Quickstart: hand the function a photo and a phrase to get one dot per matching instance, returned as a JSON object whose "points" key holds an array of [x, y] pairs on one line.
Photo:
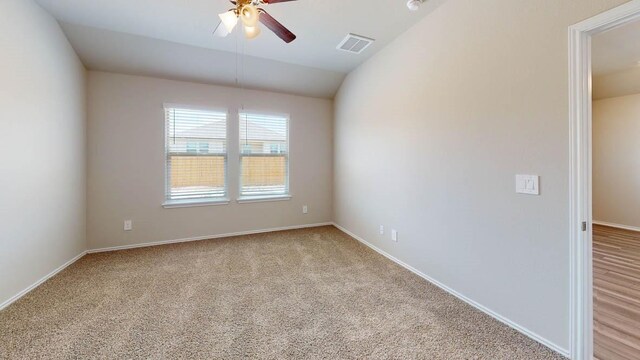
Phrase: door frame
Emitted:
{"points": [[580, 95]]}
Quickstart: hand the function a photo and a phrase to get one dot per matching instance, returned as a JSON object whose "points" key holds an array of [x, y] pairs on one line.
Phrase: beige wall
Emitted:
{"points": [[622, 83], [127, 162], [430, 133], [42, 97], [616, 160]]}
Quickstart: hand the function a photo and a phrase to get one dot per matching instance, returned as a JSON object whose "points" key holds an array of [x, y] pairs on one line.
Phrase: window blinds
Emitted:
{"points": [[264, 155], [196, 149]]}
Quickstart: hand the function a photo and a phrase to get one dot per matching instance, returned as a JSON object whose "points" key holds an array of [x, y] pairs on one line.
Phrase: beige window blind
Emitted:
{"points": [[196, 154], [264, 155]]}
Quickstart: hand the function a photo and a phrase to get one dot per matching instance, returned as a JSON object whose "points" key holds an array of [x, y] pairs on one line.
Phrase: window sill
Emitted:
{"points": [[173, 204], [255, 199]]}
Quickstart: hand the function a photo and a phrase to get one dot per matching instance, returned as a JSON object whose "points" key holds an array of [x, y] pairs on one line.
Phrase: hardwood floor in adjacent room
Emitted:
{"points": [[616, 289]]}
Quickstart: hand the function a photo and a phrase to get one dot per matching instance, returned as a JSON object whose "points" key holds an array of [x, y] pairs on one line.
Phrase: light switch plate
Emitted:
{"points": [[394, 235], [528, 184]]}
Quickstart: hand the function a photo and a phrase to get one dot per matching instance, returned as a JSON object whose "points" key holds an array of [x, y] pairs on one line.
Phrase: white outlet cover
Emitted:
{"points": [[128, 225], [394, 235], [528, 184], [381, 229], [305, 209]]}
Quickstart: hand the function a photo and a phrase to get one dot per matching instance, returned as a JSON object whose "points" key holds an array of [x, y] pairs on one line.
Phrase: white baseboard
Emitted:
{"points": [[624, 227], [206, 237], [482, 308], [39, 282], [65, 265]]}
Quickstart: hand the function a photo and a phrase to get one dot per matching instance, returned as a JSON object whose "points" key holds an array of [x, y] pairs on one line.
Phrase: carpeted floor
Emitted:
{"points": [[302, 294]]}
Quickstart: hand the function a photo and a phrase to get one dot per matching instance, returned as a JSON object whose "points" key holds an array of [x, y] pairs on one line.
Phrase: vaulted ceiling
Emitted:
{"points": [[173, 39]]}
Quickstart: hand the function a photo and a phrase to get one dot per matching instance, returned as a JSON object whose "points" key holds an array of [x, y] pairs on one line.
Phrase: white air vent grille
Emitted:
{"points": [[355, 43]]}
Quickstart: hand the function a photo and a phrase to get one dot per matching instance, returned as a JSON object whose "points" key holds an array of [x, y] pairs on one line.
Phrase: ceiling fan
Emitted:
{"points": [[250, 14]]}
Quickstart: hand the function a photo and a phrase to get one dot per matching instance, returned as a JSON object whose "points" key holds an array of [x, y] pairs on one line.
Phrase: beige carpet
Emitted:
{"points": [[302, 294]]}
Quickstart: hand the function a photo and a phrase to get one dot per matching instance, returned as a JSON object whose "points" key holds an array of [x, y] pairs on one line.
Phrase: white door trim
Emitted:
{"points": [[580, 35]]}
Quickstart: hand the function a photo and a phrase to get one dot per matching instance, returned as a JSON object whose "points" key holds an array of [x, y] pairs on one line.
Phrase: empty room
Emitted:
{"points": [[616, 192], [319, 179]]}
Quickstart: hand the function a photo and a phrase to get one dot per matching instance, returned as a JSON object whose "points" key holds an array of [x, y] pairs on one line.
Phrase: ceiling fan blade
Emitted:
{"points": [[277, 28], [275, 1]]}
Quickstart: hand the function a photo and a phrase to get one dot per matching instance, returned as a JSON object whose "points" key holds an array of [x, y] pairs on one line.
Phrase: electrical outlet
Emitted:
{"points": [[381, 229], [128, 225], [394, 235], [305, 209]]}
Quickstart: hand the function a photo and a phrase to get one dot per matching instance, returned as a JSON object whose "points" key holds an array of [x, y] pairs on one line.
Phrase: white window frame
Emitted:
{"points": [[242, 199], [196, 202]]}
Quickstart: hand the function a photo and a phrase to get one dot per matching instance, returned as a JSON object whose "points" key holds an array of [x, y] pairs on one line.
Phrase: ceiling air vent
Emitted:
{"points": [[355, 43]]}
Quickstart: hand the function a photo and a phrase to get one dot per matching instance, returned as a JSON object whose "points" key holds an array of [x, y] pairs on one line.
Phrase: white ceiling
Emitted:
{"points": [[616, 50], [158, 37], [136, 55], [616, 62]]}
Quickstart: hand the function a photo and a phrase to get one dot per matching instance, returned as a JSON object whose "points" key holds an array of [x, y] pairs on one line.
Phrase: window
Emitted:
{"points": [[264, 155], [197, 147], [276, 148], [196, 153]]}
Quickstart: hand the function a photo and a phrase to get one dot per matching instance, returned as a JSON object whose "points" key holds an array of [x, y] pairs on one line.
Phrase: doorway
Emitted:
{"points": [[615, 144], [581, 174]]}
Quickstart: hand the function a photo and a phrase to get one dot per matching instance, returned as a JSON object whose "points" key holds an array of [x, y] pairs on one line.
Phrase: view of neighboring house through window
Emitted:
{"points": [[196, 153], [264, 155], [197, 147]]}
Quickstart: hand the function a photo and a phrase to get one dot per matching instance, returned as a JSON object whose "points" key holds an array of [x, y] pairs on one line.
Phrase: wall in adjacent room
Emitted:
{"points": [[617, 84], [43, 165], [616, 161], [127, 161], [429, 135]]}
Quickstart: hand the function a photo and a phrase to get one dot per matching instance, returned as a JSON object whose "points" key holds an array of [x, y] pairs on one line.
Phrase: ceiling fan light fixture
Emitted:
{"points": [[221, 31], [251, 32], [249, 15], [414, 5], [229, 20]]}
